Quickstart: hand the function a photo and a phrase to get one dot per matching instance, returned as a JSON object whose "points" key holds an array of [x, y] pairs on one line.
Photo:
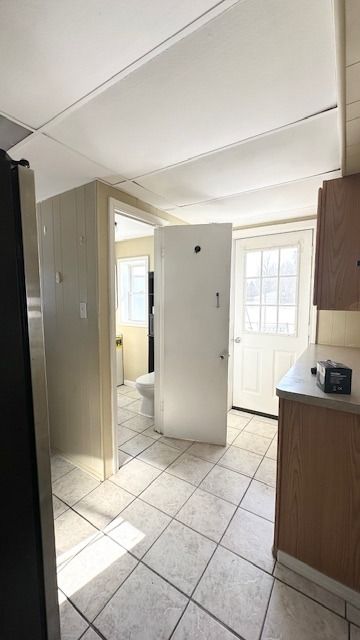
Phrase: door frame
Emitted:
{"points": [[308, 224], [127, 210]]}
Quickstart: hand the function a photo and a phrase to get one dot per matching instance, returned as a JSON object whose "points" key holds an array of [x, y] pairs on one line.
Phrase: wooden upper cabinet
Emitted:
{"points": [[337, 264]]}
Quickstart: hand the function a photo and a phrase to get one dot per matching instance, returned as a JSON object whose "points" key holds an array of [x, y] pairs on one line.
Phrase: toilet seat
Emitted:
{"points": [[147, 380]]}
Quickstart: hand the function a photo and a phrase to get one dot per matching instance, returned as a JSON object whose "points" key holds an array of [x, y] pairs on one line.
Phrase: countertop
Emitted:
{"points": [[300, 385]]}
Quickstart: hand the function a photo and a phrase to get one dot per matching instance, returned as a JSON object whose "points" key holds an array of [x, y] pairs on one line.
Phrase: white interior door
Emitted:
{"points": [[272, 314], [192, 297]]}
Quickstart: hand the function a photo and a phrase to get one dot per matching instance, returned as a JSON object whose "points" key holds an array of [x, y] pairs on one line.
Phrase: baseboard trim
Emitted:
{"points": [[130, 383], [77, 461], [255, 413], [335, 587]]}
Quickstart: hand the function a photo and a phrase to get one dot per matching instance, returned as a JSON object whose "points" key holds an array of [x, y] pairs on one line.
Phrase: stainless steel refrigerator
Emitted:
{"points": [[28, 593]]}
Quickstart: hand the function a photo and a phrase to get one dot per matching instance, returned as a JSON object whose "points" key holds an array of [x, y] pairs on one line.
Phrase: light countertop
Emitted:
{"points": [[300, 385]]}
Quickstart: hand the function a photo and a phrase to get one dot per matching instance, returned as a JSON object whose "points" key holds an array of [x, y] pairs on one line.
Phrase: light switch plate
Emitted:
{"points": [[83, 310]]}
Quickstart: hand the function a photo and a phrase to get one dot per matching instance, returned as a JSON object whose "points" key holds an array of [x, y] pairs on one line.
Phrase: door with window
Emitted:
{"points": [[272, 314]]}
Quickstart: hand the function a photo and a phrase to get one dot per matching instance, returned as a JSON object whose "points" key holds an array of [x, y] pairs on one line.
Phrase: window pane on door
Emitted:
{"points": [[270, 262], [269, 319], [252, 318], [253, 264], [288, 261], [252, 290], [270, 300], [287, 320], [269, 290], [287, 290]]}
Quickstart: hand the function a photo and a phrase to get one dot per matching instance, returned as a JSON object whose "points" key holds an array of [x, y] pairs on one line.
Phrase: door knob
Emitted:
{"points": [[237, 340], [222, 356]]}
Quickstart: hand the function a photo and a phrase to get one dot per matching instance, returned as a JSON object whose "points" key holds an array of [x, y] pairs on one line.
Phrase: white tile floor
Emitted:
{"points": [[177, 544]]}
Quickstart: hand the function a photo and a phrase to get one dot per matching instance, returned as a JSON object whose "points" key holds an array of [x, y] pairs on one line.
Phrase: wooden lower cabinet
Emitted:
{"points": [[318, 489]]}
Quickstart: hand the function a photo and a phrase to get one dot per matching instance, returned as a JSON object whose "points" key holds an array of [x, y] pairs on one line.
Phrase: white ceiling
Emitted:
{"points": [[54, 53], [195, 107], [56, 167], [127, 228], [236, 77], [280, 202], [302, 150]]}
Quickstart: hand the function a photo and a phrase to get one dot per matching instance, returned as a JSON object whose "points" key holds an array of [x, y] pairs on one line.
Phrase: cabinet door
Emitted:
{"points": [[338, 272], [317, 275]]}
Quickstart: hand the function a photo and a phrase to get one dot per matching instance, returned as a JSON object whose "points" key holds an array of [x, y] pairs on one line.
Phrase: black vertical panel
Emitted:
{"points": [[150, 322], [22, 596]]}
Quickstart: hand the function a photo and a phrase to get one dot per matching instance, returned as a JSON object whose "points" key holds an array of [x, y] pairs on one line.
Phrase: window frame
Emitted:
{"points": [[261, 305], [124, 306]]}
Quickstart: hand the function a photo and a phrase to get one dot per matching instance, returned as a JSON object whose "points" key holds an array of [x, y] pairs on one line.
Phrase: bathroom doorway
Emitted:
{"points": [[131, 318]]}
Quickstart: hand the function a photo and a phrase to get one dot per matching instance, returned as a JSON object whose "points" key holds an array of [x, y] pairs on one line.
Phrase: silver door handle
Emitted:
{"points": [[237, 340], [222, 356]]}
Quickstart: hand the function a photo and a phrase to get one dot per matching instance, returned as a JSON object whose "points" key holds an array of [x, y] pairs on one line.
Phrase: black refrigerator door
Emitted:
{"points": [[28, 601]]}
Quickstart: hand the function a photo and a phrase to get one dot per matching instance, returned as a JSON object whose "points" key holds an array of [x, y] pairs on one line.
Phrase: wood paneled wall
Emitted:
{"points": [[74, 241], [68, 245], [339, 328]]}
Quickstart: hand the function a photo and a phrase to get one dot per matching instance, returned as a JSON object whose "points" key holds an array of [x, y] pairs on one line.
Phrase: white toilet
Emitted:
{"points": [[145, 386]]}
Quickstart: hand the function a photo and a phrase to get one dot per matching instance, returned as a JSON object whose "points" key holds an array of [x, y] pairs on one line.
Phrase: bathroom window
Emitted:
{"points": [[133, 290]]}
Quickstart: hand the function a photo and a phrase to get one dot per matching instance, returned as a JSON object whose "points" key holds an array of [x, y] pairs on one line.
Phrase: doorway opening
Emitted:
{"points": [[134, 343], [131, 272], [272, 314]]}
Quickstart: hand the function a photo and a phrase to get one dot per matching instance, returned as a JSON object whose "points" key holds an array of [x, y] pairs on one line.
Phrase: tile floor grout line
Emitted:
{"points": [[267, 609], [252, 562], [238, 507], [167, 466], [257, 468], [146, 448], [59, 568], [180, 618], [101, 636], [166, 513], [142, 451], [84, 496], [254, 512], [76, 609], [66, 472], [110, 598], [223, 624]]}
